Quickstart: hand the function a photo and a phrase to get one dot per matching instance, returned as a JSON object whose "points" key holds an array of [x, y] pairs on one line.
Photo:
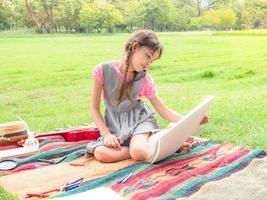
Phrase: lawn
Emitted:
{"points": [[46, 79]]}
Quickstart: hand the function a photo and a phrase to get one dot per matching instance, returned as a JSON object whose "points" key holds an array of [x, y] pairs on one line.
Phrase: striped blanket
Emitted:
{"points": [[180, 175], [54, 148]]}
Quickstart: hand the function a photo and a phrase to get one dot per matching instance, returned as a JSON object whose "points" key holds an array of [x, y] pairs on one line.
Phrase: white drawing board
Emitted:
{"points": [[171, 139]]}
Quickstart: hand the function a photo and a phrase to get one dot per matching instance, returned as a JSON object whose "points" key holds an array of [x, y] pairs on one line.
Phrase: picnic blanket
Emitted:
{"points": [[182, 175], [54, 147]]}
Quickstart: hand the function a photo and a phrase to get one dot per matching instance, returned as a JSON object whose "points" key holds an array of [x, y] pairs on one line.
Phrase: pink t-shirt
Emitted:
{"points": [[147, 89]]}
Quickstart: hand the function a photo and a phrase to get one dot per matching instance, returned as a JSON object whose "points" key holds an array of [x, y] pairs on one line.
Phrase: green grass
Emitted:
{"points": [[4, 195], [255, 32], [46, 79]]}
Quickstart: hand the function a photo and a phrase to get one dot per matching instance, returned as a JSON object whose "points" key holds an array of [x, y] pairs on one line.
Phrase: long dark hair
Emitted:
{"points": [[144, 38]]}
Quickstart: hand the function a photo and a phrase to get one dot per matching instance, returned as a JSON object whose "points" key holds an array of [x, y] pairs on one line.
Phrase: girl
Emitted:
{"points": [[129, 128]]}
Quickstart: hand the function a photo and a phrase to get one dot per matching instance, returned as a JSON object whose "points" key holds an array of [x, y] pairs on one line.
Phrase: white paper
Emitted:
{"points": [[94, 194], [17, 152]]}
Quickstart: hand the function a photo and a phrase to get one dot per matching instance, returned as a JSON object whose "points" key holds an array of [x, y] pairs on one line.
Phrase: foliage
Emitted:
{"points": [[67, 16], [220, 19], [255, 14], [98, 16], [127, 15], [5, 15], [90, 17]]}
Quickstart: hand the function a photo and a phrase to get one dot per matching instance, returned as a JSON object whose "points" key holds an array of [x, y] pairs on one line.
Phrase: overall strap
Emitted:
{"points": [[112, 85]]}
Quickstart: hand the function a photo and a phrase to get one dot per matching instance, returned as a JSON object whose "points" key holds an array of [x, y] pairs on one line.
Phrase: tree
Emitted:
{"points": [[219, 19], [90, 17], [19, 17], [111, 17], [130, 9], [255, 14], [100, 15], [204, 5], [199, 7], [185, 11], [160, 15], [5, 15], [67, 15], [41, 14], [156, 14], [227, 18]]}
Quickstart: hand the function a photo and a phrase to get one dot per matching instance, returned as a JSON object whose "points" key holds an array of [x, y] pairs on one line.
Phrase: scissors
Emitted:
{"points": [[12, 164]]}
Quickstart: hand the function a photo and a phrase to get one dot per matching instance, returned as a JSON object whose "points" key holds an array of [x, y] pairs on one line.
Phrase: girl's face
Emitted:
{"points": [[142, 58]]}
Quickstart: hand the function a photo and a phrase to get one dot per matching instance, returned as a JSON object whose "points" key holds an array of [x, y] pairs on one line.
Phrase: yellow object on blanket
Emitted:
{"points": [[12, 132]]}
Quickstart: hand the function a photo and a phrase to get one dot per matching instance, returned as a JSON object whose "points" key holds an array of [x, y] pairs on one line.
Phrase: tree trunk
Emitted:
{"points": [[47, 19], [33, 18], [199, 7]]}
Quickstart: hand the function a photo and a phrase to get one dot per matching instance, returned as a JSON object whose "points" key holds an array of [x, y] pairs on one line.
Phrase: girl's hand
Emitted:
{"points": [[111, 141], [204, 120], [187, 146]]}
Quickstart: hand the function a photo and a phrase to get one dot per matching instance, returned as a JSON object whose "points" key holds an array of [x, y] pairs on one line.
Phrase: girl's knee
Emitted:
{"points": [[101, 154], [140, 153]]}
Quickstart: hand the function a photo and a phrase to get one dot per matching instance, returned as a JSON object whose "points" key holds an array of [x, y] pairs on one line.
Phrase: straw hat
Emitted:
{"points": [[12, 132]]}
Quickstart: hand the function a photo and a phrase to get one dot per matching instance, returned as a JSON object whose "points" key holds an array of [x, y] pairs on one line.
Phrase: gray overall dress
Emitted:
{"points": [[127, 118]]}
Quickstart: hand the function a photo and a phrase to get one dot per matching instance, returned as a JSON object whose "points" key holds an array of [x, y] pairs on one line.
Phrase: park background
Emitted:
{"points": [[48, 49]]}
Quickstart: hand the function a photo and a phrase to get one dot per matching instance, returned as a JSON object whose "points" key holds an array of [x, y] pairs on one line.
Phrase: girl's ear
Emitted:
{"points": [[135, 45]]}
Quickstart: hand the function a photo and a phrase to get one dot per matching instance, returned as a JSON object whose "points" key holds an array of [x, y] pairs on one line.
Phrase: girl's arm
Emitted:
{"points": [[95, 108], [164, 111], [169, 114], [109, 139]]}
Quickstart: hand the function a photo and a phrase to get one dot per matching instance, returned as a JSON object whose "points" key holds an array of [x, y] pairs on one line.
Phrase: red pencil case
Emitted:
{"points": [[73, 135], [86, 134]]}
